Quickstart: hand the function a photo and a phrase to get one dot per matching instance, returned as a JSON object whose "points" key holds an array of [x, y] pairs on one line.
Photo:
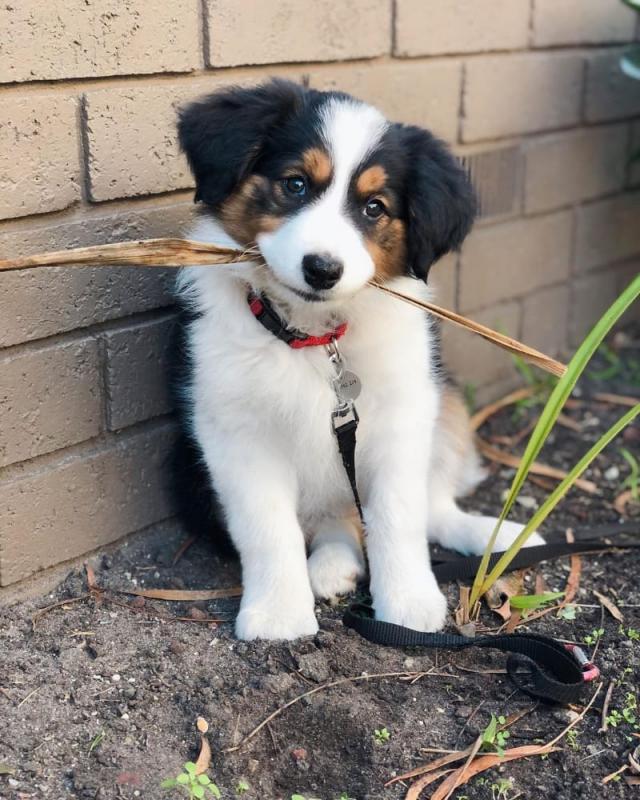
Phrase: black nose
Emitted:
{"points": [[321, 272]]}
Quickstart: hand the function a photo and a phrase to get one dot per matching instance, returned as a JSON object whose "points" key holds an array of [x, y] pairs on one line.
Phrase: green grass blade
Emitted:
{"points": [[551, 411], [558, 493]]}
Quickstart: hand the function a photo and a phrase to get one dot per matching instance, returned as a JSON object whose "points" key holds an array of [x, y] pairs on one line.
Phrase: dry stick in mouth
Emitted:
{"points": [[185, 252]]}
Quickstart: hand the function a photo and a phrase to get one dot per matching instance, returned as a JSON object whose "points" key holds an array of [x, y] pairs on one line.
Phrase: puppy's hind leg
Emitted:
{"points": [[455, 470], [336, 562]]}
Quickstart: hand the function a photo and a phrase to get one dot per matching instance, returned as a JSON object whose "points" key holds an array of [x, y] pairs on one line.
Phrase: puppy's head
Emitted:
{"points": [[330, 191]]}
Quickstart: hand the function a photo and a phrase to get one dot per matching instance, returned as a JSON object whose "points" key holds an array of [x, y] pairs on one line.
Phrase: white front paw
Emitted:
{"points": [[285, 617], [334, 569], [419, 605]]}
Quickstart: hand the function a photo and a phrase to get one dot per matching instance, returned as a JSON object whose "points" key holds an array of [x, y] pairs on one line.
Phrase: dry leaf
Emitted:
{"points": [[449, 758], [498, 596], [184, 252], [483, 763], [203, 762], [462, 612], [611, 607], [202, 725], [185, 594], [621, 502], [415, 790]]}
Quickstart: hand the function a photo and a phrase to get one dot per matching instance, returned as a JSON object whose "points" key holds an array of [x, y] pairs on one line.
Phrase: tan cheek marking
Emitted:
{"points": [[317, 165], [387, 247], [372, 180], [237, 218]]}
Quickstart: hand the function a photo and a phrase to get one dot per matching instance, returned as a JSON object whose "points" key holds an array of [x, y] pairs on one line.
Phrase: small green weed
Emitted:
{"points": [[630, 633], [96, 741], [594, 636], [381, 735], [501, 788], [195, 786], [493, 737], [242, 786], [568, 612], [632, 481], [572, 739]]}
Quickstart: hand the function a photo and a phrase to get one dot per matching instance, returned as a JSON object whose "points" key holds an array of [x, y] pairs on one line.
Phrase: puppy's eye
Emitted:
{"points": [[296, 185], [374, 209]]}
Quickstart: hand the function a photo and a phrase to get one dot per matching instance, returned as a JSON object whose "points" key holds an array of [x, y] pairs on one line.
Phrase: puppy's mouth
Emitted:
{"points": [[309, 297]]}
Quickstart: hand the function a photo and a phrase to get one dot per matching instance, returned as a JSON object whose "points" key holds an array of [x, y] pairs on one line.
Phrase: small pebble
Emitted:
{"points": [[115, 678], [612, 474]]}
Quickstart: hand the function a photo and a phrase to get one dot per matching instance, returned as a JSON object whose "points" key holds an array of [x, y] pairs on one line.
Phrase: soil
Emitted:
{"points": [[99, 697]]}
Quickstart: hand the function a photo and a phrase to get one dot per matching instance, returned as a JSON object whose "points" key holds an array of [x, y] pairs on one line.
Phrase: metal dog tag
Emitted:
{"points": [[348, 385]]}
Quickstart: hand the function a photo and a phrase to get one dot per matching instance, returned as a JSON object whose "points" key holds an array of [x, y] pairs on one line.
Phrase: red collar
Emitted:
{"points": [[266, 314]]}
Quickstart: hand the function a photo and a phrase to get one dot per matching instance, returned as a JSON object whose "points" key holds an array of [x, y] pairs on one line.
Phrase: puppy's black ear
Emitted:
{"points": [[440, 202], [222, 134]]}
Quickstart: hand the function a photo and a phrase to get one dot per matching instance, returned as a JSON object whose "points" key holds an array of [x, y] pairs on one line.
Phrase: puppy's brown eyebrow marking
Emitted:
{"points": [[372, 180], [317, 164]]}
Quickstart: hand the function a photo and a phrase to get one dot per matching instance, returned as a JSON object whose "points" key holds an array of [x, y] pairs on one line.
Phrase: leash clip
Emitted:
{"points": [[343, 415], [589, 670]]}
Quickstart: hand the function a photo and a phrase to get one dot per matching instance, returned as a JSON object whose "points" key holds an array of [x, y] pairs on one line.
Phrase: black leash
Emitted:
{"points": [[538, 665]]}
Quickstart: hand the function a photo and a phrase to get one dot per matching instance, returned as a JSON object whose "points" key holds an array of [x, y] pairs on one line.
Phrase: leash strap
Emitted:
{"points": [[538, 665], [345, 424]]}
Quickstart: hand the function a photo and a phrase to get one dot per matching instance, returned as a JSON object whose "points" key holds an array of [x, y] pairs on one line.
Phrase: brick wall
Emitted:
{"points": [[527, 90]]}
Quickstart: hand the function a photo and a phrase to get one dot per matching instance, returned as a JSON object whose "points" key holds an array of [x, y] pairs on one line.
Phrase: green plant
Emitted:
{"points": [[381, 735], [631, 633], [495, 737], [532, 602], [501, 788], [96, 741], [572, 739], [546, 421], [242, 786], [345, 796], [568, 612], [592, 638], [632, 481], [195, 786], [540, 382]]}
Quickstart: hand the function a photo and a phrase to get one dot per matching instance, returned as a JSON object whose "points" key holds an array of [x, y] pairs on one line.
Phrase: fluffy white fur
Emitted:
{"points": [[261, 413]]}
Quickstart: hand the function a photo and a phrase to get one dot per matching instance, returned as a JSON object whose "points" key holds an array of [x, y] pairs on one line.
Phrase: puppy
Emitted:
{"points": [[329, 195]]}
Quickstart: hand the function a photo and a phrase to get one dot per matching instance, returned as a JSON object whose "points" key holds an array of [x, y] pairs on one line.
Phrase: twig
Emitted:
{"points": [[184, 252], [604, 726], [506, 342], [481, 416], [615, 774], [537, 468], [31, 693], [300, 697], [615, 399], [42, 611]]}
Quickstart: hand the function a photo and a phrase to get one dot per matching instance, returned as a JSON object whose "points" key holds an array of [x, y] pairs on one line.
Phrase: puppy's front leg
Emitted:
{"points": [[403, 587], [257, 489]]}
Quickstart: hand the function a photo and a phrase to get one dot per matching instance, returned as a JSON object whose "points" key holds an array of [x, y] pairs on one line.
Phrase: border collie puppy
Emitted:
{"points": [[329, 195]]}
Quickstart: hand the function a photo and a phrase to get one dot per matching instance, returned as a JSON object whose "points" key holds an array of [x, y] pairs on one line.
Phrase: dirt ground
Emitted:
{"points": [[99, 697]]}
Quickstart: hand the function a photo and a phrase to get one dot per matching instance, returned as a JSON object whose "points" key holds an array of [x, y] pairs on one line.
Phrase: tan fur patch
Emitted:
{"points": [[239, 220], [372, 180], [317, 165], [454, 419], [388, 248]]}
